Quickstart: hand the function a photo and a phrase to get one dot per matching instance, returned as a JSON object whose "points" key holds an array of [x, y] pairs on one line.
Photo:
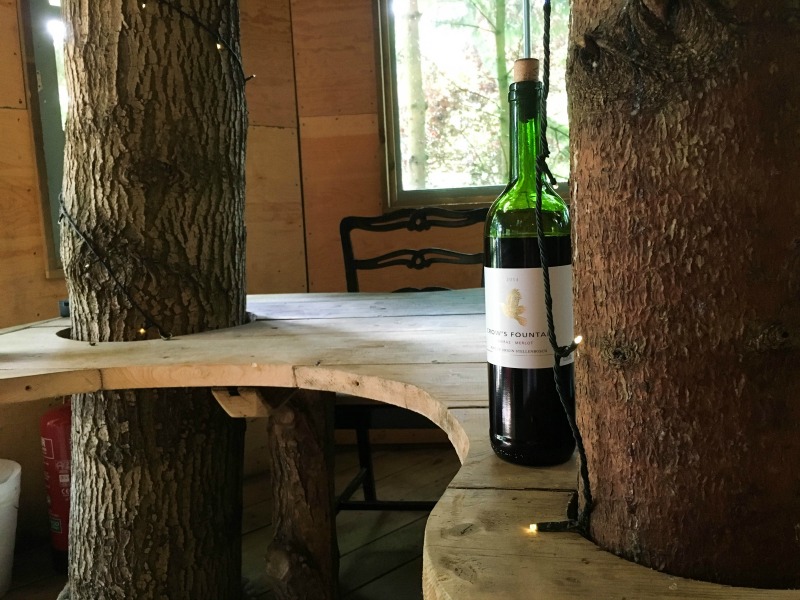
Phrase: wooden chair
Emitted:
{"points": [[361, 414]]}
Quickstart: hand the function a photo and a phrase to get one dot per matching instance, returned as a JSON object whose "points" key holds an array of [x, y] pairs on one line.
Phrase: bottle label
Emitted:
{"points": [[516, 321]]}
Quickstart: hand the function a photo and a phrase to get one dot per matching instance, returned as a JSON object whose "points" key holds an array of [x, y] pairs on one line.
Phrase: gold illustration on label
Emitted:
{"points": [[513, 309]]}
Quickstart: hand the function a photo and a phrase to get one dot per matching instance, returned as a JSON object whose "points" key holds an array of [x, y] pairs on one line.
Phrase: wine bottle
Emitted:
{"points": [[528, 424]]}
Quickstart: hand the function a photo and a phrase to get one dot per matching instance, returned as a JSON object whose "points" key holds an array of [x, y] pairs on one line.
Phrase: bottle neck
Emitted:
{"points": [[524, 99]]}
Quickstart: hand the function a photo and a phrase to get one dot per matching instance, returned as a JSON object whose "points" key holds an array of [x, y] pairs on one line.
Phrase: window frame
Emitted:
{"points": [[389, 124], [41, 82], [396, 196]]}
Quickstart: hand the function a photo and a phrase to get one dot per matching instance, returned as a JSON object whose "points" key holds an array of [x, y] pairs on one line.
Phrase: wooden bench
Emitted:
{"points": [[421, 351]]}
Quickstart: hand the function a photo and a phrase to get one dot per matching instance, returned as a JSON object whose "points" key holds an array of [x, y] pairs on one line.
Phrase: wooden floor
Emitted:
{"points": [[381, 552]]}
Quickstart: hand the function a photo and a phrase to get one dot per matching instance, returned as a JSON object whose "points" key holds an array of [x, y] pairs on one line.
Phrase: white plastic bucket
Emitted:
{"points": [[9, 503]]}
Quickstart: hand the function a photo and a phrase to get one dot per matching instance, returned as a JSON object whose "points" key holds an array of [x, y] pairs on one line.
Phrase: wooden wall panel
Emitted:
{"points": [[25, 294], [274, 212], [267, 54], [12, 90], [334, 47], [341, 176]]}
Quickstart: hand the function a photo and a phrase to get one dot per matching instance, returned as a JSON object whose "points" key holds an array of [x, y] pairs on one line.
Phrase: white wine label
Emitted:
{"points": [[516, 322]]}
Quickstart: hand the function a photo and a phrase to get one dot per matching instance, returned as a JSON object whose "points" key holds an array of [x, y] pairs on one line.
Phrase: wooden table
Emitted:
{"points": [[421, 351]]}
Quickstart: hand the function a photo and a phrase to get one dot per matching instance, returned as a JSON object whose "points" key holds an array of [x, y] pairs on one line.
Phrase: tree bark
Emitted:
{"points": [[501, 68], [684, 118], [417, 105], [153, 243], [156, 498], [303, 558]]}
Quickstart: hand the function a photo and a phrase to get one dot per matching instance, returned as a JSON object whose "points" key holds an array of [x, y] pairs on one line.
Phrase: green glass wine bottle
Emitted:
{"points": [[528, 424]]}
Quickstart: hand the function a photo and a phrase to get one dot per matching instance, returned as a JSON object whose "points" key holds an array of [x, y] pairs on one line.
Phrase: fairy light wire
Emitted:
{"points": [[220, 41], [64, 214], [149, 319], [560, 352]]}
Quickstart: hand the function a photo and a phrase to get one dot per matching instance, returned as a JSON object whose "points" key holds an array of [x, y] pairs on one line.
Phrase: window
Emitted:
{"points": [[45, 46], [447, 68]]}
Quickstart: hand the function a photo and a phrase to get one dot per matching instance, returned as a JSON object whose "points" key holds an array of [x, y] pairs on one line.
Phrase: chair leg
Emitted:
{"points": [[365, 459], [361, 421]]}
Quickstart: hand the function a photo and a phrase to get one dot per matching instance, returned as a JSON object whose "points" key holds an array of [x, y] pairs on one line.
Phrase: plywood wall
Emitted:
{"points": [[276, 259], [25, 292], [337, 103]]}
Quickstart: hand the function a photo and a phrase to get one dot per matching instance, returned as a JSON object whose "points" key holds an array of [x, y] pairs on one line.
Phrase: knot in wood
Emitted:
{"points": [[278, 563], [619, 353], [643, 55], [151, 171], [768, 338], [461, 529], [589, 54]]}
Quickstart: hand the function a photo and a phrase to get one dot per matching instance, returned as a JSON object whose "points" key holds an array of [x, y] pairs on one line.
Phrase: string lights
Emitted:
{"points": [[574, 522], [220, 44], [218, 39], [149, 320]]}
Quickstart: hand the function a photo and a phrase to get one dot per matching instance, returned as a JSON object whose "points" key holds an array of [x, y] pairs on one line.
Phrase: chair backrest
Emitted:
{"points": [[415, 220]]}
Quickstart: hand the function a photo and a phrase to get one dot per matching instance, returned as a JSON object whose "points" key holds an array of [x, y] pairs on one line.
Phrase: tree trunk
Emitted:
{"points": [[684, 119], [417, 105], [156, 497], [501, 67], [153, 243], [303, 557]]}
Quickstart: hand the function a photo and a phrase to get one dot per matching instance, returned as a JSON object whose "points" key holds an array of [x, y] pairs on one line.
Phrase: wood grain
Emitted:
{"points": [[25, 293], [423, 351], [335, 64], [267, 54], [478, 545], [276, 259], [341, 159], [12, 92]]}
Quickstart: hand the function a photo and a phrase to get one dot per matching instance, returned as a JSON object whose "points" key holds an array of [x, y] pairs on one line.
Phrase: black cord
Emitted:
{"points": [[149, 320], [582, 523], [545, 148], [217, 37]]}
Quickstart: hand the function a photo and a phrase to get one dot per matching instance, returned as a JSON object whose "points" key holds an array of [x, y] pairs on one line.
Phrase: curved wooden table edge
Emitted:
{"points": [[477, 541]]}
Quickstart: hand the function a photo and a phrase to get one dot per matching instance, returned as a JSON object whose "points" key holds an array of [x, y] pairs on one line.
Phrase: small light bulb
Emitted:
{"points": [[579, 339], [219, 46], [142, 330], [144, 5], [534, 528]]}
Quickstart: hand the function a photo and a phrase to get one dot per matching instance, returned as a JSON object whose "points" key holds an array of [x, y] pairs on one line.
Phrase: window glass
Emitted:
{"points": [[56, 29], [45, 32], [446, 82]]}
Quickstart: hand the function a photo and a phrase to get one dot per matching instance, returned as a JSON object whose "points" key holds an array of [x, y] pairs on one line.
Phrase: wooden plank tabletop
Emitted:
{"points": [[401, 336], [424, 351]]}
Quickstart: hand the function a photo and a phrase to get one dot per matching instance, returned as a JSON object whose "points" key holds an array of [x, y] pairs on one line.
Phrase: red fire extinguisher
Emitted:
{"points": [[55, 428]]}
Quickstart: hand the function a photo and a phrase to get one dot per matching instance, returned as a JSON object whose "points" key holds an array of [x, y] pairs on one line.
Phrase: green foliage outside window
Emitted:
{"points": [[451, 64]]}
